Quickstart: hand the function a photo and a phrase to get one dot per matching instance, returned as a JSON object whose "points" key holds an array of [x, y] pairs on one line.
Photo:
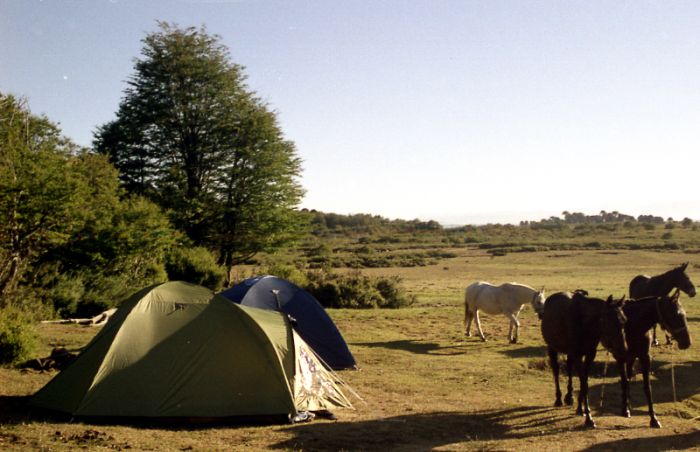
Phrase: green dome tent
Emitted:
{"points": [[178, 350]]}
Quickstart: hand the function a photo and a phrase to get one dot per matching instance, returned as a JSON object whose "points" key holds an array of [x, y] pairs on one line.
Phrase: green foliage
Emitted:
{"points": [[195, 265], [17, 337], [355, 290], [122, 250], [289, 272], [191, 136], [43, 199]]}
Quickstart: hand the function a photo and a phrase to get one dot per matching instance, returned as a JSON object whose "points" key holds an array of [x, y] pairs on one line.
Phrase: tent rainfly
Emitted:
{"points": [[177, 350], [311, 321]]}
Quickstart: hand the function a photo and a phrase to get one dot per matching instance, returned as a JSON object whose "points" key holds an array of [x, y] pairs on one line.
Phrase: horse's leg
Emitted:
{"points": [[576, 366], [654, 340], [478, 325], [625, 387], [468, 316], [569, 398], [554, 363], [583, 394], [645, 364], [510, 329], [513, 323]]}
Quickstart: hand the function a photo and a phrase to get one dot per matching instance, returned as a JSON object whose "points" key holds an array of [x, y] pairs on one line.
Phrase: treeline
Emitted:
{"points": [[576, 218], [322, 222]]}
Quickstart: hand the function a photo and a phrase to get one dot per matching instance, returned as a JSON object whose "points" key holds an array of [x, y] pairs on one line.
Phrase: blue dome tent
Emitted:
{"points": [[312, 322]]}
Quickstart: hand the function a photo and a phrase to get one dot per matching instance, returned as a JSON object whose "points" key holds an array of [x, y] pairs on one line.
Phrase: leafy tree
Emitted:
{"points": [[190, 135], [122, 249], [41, 197]]}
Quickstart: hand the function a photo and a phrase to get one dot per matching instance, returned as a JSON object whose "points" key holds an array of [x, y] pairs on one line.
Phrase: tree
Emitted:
{"points": [[41, 197], [190, 135]]}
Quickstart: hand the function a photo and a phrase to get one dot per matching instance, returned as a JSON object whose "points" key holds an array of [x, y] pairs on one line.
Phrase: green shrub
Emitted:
{"points": [[105, 292], [355, 290], [65, 294], [195, 265], [17, 336], [288, 272]]}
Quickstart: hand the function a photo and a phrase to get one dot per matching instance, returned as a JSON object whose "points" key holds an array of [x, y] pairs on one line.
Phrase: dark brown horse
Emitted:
{"points": [[661, 285], [642, 315], [575, 325]]}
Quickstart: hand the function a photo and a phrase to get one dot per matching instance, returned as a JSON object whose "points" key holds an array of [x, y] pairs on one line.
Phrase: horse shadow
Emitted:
{"points": [[687, 383], [424, 431], [417, 347], [667, 442], [532, 351]]}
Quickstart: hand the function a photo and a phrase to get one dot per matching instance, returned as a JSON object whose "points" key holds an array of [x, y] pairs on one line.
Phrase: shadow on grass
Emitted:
{"points": [[687, 383], [669, 442], [526, 352], [14, 410], [426, 431], [418, 347]]}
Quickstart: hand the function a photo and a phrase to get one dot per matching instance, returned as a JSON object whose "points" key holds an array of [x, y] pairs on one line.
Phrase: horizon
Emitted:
{"points": [[459, 112], [506, 218]]}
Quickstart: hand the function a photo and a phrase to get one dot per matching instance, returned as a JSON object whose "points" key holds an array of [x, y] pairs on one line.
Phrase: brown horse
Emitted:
{"points": [[642, 315], [575, 325], [661, 285]]}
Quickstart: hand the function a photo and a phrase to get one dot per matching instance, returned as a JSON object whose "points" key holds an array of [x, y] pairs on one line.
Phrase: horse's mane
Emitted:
{"points": [[680, 269]]}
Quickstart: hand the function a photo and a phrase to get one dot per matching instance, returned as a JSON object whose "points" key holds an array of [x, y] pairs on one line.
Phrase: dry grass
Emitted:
{"points": [[426, 386]]}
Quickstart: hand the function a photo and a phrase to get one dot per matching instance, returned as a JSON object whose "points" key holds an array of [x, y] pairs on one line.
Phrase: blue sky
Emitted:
{"points": [[459, 111]]}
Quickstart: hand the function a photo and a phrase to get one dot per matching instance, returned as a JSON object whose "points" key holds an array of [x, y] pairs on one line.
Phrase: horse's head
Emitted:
{"points": [[612, 327], [672, 319], [538, 302], [682, 280]]}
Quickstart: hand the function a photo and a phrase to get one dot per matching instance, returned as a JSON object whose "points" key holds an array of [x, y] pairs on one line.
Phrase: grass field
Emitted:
{"points": [[424, 385]]}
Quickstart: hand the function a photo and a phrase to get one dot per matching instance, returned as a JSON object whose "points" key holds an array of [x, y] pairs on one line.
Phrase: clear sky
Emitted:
{"points": [[459, 111]]}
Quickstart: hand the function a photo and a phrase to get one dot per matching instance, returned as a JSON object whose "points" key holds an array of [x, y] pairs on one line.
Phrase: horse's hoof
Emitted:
{"points": [[589, 422], [625, 413], [513, 341], [558, 403], [569, 400], [483, 339], [655, 423], [655, 343], [579, 411]]}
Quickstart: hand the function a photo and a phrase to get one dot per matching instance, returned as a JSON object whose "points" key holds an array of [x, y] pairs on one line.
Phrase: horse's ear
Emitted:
{"points": [[610, 299], [542, 290], [684, 266]]}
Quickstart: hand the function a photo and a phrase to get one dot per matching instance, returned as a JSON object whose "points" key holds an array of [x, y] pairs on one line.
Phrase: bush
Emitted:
{"points": [[65, 294], [356, 290], [17, 336], [288, 272], [195, 265]]}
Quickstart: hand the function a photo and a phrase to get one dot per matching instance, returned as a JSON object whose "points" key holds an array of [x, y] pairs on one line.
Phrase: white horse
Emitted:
{"points": [[507, 299]]}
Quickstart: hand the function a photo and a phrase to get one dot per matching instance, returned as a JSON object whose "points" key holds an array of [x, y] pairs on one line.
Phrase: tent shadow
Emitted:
{"points": [[425, 431], [413, 346], [14, 410]]}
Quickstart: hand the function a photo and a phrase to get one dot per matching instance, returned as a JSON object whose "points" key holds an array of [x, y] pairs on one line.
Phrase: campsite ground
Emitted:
{"points": [[424, 385]]}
